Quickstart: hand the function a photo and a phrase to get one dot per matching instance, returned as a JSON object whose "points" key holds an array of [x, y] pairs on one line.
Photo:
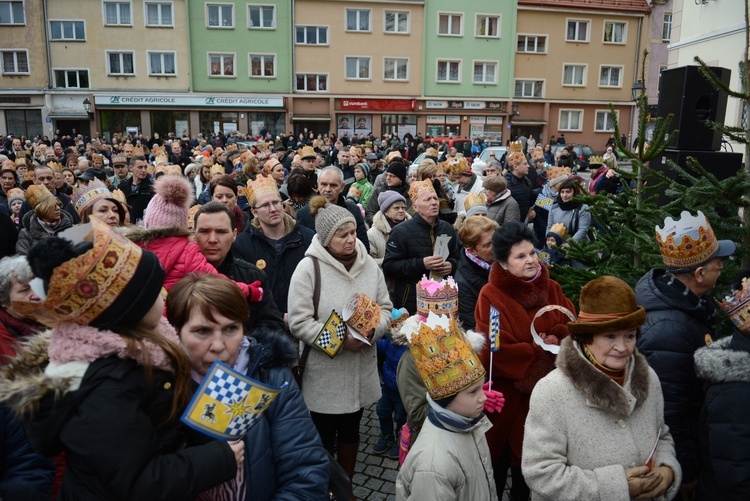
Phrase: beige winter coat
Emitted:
{"points": [[349, 381], [378, 236], [583, 430]]}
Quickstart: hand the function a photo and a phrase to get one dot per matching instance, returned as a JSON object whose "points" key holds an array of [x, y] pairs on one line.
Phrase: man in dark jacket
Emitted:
{"points": [[410, 251], [680, 318], [138, 189], [520, 186], [44, 175], [214, 234]]}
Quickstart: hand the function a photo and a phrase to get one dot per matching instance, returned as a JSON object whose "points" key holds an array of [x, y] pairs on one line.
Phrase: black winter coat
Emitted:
{"points": [[470, 279], [24, 474], [522, 191], [411, 242], [138, 196], [67, 207], [305, 218], [673, 331]]}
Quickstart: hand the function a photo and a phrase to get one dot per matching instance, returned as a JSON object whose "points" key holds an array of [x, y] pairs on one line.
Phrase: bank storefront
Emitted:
{"points": [[472, 119], [188, 115]]}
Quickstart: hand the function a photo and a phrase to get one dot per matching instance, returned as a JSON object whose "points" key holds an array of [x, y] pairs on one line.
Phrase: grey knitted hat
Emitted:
{"points": [[328, 218]]}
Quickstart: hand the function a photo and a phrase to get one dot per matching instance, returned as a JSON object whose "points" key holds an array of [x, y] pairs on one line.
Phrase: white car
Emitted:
{"points": [[498, 151]]}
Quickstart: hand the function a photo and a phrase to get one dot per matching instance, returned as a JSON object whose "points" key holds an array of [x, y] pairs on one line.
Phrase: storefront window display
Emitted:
{"points": [[26, 123], [118, 122], [214, 122], [177, 122], [399, 124], [271, 122]]}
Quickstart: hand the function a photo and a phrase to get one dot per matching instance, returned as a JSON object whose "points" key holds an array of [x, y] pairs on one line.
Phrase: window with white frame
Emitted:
{"points": [[220, 15], [395, 69], [532, 43], [159, 14], [666, 27], [614, 32], [610, 76], [67, 30], [450, 24], [529, 88], [312, 35], [357, 19], [162, 64], [311, 82], [488, 26], [570, 120], [485, 72], [261, 17], [221, 65], [577, 31], [357, 68], [15, 62], [396, 21], [263, 65], [449, 71], [604, 122], [120, 63], [117, 13], [71, 79], [574, 74], [12, 13]]}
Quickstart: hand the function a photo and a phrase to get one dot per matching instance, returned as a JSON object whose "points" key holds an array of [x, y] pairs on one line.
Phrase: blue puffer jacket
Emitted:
{"points": [[392, 353], [24, 474]]}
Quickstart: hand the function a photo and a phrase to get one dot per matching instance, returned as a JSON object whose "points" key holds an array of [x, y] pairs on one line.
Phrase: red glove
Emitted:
{"points": [[256, 292], [495, 400]]}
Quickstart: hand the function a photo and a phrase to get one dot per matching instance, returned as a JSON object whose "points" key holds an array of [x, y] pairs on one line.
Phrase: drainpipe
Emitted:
{"points": [[189, 45], [50, 76], [633, 108], [293, 76]]}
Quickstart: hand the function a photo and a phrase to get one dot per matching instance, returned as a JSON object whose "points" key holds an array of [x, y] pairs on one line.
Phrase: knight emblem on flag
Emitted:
{"points": [[330, 339], [494, 328]]}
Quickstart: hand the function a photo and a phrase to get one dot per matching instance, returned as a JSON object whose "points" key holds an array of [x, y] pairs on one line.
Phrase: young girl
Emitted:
{"points": [[15, 201]]}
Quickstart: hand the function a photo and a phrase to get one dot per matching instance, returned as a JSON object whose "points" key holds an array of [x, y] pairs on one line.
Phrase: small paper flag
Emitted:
{"points": [[330, 339], [494, 328], [228, 403]]}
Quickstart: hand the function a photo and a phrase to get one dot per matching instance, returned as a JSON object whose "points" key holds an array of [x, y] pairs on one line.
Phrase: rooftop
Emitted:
{"points": [[634, 6]]}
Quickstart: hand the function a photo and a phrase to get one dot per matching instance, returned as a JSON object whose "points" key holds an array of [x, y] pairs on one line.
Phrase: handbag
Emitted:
{"points": [[339, 484], [299, 370]]}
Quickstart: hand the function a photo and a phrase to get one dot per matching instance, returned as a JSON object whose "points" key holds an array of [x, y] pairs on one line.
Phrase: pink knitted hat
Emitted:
{"points": [[170, 204]]}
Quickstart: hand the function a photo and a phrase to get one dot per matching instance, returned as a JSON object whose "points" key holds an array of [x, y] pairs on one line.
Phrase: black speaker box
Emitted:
{"points": [[692, 100]]}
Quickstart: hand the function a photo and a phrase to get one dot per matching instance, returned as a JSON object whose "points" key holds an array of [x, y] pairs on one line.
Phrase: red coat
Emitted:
{"points": [[12, 332], [520, 362]]}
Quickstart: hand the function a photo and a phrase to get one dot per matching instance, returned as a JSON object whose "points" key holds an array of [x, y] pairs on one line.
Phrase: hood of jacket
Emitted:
{"points": [[381, 224], [723, 362], [289, 224], [599, 389], [650, 296], [144, 236], [501, 197], [317, 250], [270, 348]]}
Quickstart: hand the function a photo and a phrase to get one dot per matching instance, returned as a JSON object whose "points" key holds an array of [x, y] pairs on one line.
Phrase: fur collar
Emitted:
{"points": [[146, 235], [601, 391], [530, 295], [381, 224], [720, 363], [289, 223]]}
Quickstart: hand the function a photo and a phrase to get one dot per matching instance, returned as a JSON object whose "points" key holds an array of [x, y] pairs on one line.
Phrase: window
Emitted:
{"points": [[574, 74], [358, 68], [15, 62], [666, 27], [311, 82], [609, 76], [117, 13], [578, 31], [261, 17], [162, 64], [449, 71], [221, 65], [120, 63], [396, 21], [614, 32], [532, 43], [357, 20], [604, 122], [570, 120], [262, 65], [485, 72], [450, 24], [159, 14], [529, 88], [488, 26], [67, 30], [312, 35], [395, 69], [220, 15], [72, 79], [12, 13]]}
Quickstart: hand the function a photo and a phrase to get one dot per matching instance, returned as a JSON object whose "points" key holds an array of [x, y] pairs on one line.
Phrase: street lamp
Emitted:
{"points": [[87, 107], [637, 89]]}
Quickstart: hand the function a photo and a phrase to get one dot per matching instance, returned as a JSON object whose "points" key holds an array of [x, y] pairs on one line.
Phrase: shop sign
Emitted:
{"points": [[456, 105], [435, 119], [474, 105], [435, 105], [494, 105], [379, 104], [494, 120], [124, 100], [453, 119], [476, 120]]}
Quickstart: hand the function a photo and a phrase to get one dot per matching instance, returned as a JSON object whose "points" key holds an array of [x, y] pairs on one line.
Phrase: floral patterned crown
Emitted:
{"points": [[440, 297], [85, 196], [419, 188], [262, 184], [737, 307]]}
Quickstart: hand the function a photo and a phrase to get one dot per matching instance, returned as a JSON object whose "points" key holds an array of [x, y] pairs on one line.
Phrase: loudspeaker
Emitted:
{"points": [[685, 93]]}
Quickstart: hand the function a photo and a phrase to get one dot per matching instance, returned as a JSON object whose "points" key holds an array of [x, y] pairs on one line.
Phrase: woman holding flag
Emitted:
{"points": [[518, 287]]}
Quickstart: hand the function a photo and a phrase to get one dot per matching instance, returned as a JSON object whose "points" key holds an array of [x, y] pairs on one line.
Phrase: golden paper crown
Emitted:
{"points": [[475, 200], [516, 158], [160, 169], [555, 172], [307, 152], [218, 151], [174, 170], [37, 193], [21, 160], [85, 196], [119, 160], [206, 161], [55, 166], [158, 150], [81, 288], [15, 193], [138, 151], [28, 177], [361, 313], [232, 147], [596, 160], [419, 188], [9, 165], [439, 297], [262, 184], [217, 169], [536, 154], [688, 242], [515, 146], [737, 307], [191, 216], [120, 197], [270, 164], [559, 229], [443, 357], [161, 159]]}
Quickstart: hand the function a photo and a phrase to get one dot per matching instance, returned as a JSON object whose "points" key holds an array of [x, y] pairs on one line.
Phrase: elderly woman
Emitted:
{"points": [[518, 287], [337, 389], [15, 275], [392, 212], [283, 454], [501, 206], [474, 264], [47, 218], [594, 423], [95, 200], [574, 215]]}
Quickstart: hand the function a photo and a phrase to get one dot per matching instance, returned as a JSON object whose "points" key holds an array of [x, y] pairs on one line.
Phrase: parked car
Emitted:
{"points": [[497, 151], [441, 157], [582, 154], [462, 144]]}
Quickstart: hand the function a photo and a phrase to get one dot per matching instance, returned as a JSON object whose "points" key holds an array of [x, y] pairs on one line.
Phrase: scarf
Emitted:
{"points": [[616, 376], [479, 262], [296, 205], [571, 205], [449, 420], [391, 222], [346, 260]]}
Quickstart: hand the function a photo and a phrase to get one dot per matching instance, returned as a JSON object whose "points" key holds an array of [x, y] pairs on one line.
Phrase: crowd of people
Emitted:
{"points": [[348, 275]]}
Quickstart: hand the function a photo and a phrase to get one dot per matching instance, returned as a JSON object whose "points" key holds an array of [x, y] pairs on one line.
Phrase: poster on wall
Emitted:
{"points": [[229, 127], [181, 128], [363, 124], [345, 125], [410, 128]]}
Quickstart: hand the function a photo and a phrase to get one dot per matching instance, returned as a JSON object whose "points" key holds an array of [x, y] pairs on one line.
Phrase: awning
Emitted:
{"points": [[529, 122], [311, 118], [59, 116]]}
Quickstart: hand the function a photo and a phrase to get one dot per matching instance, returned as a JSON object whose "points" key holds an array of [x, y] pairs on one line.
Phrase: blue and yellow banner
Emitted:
{"points": [[330, 339], [494, 328]]}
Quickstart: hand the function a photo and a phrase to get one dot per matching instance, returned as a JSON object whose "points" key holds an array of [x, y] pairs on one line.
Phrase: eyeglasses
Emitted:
{"points": [[276, 204]]}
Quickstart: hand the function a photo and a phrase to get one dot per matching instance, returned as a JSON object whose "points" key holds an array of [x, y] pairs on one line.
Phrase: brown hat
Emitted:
{"points": [[607, 304]]}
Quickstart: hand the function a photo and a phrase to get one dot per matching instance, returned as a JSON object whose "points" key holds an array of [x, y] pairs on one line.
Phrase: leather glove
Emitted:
{"points": [[495, 400]]}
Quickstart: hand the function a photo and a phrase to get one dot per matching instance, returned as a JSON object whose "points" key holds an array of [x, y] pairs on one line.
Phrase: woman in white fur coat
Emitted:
{"points": [[392, 212]]}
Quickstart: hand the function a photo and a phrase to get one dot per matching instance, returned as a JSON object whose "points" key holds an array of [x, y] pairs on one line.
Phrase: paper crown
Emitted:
{"points": [[37, 193], [515, 146], [97, 157], [9, 165], [517, 158], [16, 193], [439, 297], [559, 229], [361, 313], [55, 166], [261, 185], [207, 161], [218, 151], [138, 151], [419, 188], [443, 356], [536, 154], [307, 152], [596, 160], [354, 192], [158, 150], [270, 164], [21, 160], [82, 288], [232, 147], [690, 242], [737, 307], [555, 173], [86, 196], [174, 170], [161, 159], [217, 169], [475, 200], [191, 216]]}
